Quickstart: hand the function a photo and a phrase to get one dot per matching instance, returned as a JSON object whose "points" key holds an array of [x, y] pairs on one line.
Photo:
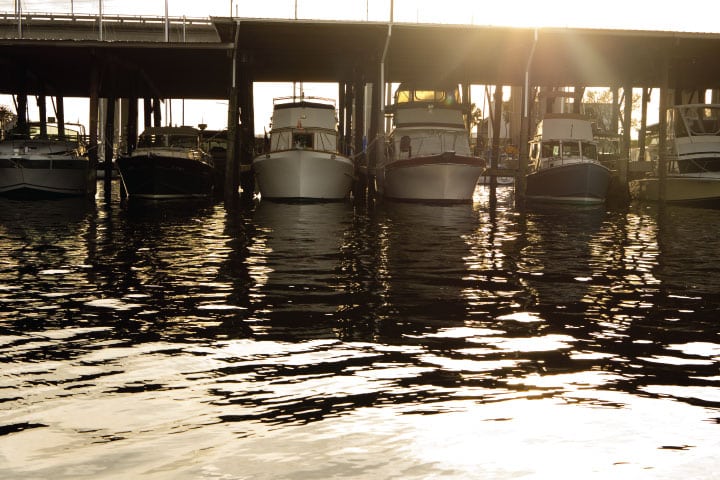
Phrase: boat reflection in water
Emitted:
{"points": [[339, 340], [298, 270]]}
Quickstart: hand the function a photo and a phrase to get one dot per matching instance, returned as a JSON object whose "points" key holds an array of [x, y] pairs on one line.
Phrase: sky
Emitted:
{"points": [[619, 14]]}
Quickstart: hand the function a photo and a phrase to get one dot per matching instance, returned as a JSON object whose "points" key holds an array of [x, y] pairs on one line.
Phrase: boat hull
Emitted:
{"points": [[678, 189], [303, 175], [158, 177], [440, 178], [44, 177], [580, 183]]}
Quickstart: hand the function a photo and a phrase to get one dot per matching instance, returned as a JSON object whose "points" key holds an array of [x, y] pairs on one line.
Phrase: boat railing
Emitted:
{"points": [[302, 98]]}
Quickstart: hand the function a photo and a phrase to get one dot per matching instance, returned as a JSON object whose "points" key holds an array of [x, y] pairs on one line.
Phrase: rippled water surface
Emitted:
{"points": [[366, 341]]}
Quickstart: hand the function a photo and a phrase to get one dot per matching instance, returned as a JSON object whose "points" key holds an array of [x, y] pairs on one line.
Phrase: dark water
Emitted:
{"points": [[352, 341]]}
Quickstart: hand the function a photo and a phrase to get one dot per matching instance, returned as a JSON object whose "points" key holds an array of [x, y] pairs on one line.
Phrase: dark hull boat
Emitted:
{"points": [[564, 165], [583, 183], [168, 164], [157, 177]]}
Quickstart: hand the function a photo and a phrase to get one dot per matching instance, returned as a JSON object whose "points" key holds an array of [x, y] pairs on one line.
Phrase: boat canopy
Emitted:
{"points": [[184, 137], [409, 94], [564, 126], [33, 130], [694, 119]]}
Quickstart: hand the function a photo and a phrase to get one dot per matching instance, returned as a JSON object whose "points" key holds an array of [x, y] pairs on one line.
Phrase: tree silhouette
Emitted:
{"points": [[6, 118]]}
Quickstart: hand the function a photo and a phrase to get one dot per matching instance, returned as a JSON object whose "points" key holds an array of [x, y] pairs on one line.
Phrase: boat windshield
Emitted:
{"points": [[407, 94], [182, 141], [52, 133], [699, 120], [569, 149]]}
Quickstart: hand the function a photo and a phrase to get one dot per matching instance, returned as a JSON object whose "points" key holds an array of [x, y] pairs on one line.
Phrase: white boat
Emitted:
{"points": [[37, 163], [564, 165], [302, 160], [168, 163], [429, 156], [693, 158]]}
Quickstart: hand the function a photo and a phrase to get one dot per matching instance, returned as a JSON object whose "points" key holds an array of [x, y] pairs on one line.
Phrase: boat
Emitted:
{"points": [[168, 163], [564, 165], [692, 158], [302, 160], [37, 161], [429, 156], [508, 162]]}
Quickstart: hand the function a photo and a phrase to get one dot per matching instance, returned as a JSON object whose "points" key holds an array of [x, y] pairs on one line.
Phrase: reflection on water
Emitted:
{"points": [[358, 341]]}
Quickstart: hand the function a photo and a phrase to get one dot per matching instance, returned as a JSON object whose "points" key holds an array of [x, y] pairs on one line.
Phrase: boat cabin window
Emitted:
{"points": [[571, 149], [550, 149], [589, 150], [183, 141], [302, 140], [409, 95], [699, 120]]}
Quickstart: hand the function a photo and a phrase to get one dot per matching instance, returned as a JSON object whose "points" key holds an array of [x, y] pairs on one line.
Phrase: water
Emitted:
{"points": [[362, 342]]}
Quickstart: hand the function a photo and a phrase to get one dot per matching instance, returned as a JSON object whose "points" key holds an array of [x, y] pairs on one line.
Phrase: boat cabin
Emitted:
{"points": [[415, 106], [407, 94], [177, 137], [72, 132], [693, 134], [694, 120], [304, 124], [562, 140]]}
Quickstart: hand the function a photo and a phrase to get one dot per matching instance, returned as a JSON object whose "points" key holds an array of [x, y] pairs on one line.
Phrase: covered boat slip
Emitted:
{"points": [[229, 54]]}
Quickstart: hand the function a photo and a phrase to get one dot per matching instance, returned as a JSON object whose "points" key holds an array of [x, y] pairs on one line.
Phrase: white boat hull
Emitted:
{"points": [[678, 188], [303, 174], [433, 180], [44, 177]]}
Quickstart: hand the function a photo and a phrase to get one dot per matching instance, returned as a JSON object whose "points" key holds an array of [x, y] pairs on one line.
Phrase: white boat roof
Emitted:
{"points": [[564, 126], [308, 102], [184, 130]]}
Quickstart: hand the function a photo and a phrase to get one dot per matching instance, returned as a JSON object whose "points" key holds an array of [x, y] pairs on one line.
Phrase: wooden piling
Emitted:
{"points": [[627, 125], [643, 123], [247, 137], [495, 149], [662, 132], [60, 112], [22, 120], [132, 125], [93, 129], [147, 112], [231, 182], [42, 108], [108, 147], [157, 112]]}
